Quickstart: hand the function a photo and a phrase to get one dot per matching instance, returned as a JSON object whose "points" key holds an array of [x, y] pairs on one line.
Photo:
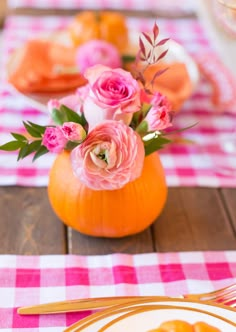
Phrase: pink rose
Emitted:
{"points": [[72, 101], [113, 95], [96, 52], [158, 117], [111, 156], [73, 131], [54, 139]]}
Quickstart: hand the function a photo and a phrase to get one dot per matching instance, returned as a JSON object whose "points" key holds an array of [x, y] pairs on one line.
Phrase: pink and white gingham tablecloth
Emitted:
{"points": [[28, 280], [203, 163]]}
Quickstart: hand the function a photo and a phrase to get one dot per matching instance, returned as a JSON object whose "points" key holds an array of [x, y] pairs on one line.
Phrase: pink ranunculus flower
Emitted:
{"points": [[158, 117], [111, 156], [113, 95], [54, 139], [73, 131], [96, 52]]}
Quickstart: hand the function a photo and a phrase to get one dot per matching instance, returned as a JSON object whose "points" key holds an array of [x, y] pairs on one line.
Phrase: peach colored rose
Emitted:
{"points": [[111, 156], [96, 52], [54, 139], [113, 95]]}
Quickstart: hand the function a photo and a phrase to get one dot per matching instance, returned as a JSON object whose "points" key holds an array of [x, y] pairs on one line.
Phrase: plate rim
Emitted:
{"points": [[145, 308], [96, 316]]}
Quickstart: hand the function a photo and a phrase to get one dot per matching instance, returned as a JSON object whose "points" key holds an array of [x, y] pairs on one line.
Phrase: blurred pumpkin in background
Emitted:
{"points": [[104, 25]]}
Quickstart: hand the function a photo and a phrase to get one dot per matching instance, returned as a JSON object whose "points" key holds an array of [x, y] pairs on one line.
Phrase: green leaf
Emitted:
{"points": [[29, 148], [128, 58], [145, 108], [35, 145], [40, 129], [58, 117], [71, 116], [12, 146], [23, 152], [71, 145], [32, 130], [19, 137], [83, 121], [142, 127], [137, 117], [154, 144], [179, 130], [41, 151]]}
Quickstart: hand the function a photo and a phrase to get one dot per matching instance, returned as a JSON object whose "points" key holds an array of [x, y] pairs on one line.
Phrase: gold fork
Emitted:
{"points": [[226, 296]]}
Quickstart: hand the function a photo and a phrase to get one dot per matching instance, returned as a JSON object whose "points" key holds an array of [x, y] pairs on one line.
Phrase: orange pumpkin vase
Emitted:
{"points": [[107, 213]]}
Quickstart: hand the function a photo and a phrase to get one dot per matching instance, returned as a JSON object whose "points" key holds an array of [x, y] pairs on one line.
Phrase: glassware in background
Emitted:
{"points": [[225, 12]]}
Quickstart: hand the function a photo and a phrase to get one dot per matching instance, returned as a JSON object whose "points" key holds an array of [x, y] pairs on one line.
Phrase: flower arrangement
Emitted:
{"points": [[111, 123]]}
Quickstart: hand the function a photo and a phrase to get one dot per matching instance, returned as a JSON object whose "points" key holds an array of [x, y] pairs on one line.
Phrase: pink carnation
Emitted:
{"points": [[73, 131], [158, 117], [96, 52], [111, 156], [54, 139], [113, 95]]}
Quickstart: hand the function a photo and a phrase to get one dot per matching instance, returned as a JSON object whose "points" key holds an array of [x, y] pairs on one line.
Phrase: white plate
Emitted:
{"points": [[143, 315], [176, 52]]}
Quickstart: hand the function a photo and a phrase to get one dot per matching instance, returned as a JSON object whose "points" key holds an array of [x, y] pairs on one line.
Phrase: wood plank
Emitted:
{"points": [[86, 245], [229, 197], [28, 225], [74, 10], [3, 11], [193, 219]]}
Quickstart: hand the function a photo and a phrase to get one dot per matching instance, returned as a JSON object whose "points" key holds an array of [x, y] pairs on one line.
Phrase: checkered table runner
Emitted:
{"points": [[171, 6], [28, 280], [202, 163]]}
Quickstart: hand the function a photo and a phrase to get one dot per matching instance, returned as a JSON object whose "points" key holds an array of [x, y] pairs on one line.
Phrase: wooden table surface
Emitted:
{"points": [[193, 219]]}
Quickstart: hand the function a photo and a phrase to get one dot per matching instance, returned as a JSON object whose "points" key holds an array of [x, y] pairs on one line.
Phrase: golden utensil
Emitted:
{"points": [[75, 305], [226, 296]]}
